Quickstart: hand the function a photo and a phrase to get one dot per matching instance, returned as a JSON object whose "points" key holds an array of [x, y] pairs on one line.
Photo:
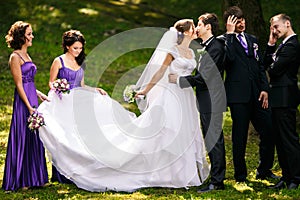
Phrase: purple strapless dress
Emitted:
{"points": [[25, 163], [74, 78]]}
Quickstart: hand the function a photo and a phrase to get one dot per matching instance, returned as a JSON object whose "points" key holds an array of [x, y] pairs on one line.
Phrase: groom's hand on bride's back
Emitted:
{"points": [[173, 78]]}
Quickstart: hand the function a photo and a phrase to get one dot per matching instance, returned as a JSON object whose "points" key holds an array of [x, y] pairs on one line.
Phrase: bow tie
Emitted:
{"points": [[204, 44]]}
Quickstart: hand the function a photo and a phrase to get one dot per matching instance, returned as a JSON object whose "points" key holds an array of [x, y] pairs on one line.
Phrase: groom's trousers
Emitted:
{"points": [[214, 140]]}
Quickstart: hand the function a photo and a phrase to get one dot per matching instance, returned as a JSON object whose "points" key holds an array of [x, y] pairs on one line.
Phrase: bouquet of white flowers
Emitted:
{"points": [[35, 121], [61, 86], [201, 52], [129, 94]]}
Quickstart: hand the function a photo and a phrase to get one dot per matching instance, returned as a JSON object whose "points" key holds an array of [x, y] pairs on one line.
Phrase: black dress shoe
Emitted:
{"points": [[265, 176], [292, 186], [280, 185], [211, 187]]}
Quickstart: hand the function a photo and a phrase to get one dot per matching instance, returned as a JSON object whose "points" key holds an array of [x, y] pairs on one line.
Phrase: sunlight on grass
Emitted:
{"points": [[3, 139], [280, 196], [88, 11], [136, 195], [65, 25], [152, 14], [63, 191], [118, 3], [242, 187], [123, 2], [131, 1], [5, 117]]}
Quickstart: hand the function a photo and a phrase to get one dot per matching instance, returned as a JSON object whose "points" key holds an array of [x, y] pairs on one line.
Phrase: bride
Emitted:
{"points": [[163, 147]]}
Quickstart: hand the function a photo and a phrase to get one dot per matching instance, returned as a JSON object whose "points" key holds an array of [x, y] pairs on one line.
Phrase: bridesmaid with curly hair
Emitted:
{"points": [[25, 163]]}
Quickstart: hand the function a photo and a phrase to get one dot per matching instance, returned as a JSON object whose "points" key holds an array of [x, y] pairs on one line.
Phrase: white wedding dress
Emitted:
{"points": [[101, 146]]}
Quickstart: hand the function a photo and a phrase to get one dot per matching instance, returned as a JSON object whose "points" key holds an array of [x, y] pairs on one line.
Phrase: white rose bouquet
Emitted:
{"points": [[129, 94]]}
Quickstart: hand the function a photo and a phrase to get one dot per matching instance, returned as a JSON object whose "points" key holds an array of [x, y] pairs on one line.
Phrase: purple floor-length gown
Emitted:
{"points": [[74, 79], [25, 163]]}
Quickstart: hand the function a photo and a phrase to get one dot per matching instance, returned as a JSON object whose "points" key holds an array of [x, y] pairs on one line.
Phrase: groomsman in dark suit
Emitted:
{"points": [[283, 65], [209, 86], [247, 96]]}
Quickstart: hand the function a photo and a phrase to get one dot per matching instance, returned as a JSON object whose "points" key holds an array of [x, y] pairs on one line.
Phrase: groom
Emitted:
{"points": [[205, 82]]}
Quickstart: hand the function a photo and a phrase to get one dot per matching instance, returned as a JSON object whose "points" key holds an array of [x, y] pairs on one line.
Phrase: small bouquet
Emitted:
{"points": [[35, 121], [201, 52], [61, 86], [255, 48], [129, 94]]}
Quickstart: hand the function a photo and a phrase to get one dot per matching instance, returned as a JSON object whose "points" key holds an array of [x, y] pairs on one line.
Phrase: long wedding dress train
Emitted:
{"points": [[101, 146]]}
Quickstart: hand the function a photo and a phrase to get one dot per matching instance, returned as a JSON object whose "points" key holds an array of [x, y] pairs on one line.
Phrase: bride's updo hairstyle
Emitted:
{"points": [[182, 26], [15, 37], [69, 38]]}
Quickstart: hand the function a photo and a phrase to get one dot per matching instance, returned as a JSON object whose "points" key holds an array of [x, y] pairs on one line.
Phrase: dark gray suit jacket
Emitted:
{"points": [[245, 74], [208, 79], [284, 91]]}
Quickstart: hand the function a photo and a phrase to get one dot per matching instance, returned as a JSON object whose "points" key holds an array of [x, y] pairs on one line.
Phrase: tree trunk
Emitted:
{"points": [[255, 23]]}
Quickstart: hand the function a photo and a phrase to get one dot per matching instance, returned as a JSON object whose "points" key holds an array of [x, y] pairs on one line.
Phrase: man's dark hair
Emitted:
{"points": [[234, 10], [212, 19]]}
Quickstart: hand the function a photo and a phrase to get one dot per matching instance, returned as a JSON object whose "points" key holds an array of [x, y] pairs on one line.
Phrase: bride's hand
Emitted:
{"points": [[101, 91], [140, 94], [42, 96]]}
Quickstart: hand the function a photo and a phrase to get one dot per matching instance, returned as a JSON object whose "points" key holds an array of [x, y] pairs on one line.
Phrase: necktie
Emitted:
{"points": [[240, 36], [279, 46], [274, 54]]}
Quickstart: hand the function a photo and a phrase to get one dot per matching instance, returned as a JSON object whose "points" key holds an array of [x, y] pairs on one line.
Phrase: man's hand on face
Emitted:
{"points": [[273, 36], [231, 22]]}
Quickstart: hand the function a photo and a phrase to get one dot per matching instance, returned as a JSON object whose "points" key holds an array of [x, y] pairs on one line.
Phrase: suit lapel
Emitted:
{"points": [[283, 44], [279, 48], [205, 47]]}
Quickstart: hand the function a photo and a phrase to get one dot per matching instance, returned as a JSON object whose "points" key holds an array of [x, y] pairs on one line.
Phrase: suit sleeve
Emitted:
{"points": [[263, 79], [191, 81], [230, 52], [263, 76], [214, 57], [287, 54], [268, 60]]}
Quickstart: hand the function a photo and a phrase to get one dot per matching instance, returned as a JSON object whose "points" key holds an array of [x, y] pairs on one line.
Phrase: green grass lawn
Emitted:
{"points": [[98, 20]]}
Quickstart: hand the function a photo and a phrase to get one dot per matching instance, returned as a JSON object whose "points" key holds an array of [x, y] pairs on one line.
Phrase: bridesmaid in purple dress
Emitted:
{"points": [[25, 164], [69, 66]]}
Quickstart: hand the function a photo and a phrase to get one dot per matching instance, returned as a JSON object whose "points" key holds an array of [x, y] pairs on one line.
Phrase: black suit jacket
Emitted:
{"points": [[283, 71], [208, 79], [245, 74]]}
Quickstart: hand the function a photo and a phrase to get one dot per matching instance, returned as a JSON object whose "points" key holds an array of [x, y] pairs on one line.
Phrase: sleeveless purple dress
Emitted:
{"points": [[25, 163], [74, 78]]}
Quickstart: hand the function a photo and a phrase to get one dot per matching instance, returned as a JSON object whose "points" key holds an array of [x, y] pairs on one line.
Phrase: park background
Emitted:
{"points": [[98, 20]]}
